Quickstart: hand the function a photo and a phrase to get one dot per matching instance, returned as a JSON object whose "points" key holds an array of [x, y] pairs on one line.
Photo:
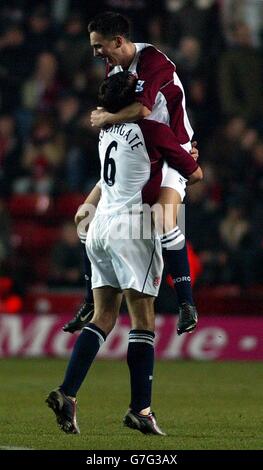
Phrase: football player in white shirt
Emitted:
{"points": [[130, 155]]}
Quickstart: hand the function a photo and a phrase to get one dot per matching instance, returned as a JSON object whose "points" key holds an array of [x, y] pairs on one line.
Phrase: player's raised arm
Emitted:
{"points": [[135, 111]]}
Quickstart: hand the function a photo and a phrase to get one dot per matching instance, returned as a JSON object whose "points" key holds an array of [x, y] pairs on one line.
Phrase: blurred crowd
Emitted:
{"points": [[48, 86]]}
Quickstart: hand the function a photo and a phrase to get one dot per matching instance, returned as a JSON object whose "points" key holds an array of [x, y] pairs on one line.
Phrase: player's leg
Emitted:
{"points": [[107, 299], [174, 245], [140, 359], [140, 356], [85, 311], [107, 304], [63, 400], [175, 250], [138, 267]]}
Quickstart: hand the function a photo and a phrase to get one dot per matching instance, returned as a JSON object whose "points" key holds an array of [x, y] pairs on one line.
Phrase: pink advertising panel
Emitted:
{"points": [[216, 338]]}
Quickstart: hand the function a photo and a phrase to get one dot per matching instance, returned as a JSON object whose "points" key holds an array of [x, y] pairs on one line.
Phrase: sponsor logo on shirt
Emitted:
{"points": [[139, 86]]}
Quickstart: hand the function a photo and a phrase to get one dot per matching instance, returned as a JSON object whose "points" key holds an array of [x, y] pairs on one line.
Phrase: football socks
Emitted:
{"points": [[140, 359]]}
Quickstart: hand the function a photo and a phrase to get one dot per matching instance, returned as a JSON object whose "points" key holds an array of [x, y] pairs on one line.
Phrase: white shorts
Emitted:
{"points": [[173, 179], [123, 262]]}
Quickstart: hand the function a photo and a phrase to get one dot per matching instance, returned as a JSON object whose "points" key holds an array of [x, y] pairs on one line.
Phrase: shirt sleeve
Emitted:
{"points": [[154, 71], [162, 143], [175, 155]]}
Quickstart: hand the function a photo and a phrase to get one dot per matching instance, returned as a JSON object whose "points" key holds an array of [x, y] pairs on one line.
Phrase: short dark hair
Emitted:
{"points": [[110, 24], [117, 91]]}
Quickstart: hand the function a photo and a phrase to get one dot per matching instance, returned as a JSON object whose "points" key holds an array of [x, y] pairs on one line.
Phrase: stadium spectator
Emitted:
{"points": [[41, 90], [72, 47], [203, 210], [236, 236], [256, 172], [5, 236], [223, 150], [40, 34], [43, 158], [81, 165], [68, 108], [250, 11], [66, 259], [193, 68], [10, 154], [15, 64], [234, 228], [198, 18], [240, 77]]}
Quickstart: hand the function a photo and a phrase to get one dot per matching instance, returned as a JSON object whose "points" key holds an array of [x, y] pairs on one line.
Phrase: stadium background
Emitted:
{"points": [[48, 150], [49, 162]]}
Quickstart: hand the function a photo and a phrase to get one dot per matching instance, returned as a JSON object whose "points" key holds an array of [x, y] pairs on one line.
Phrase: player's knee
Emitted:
{"points": [[105, 320]]}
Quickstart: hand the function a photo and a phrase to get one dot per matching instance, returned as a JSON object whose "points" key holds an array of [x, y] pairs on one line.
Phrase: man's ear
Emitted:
{"points": [[118, 41]]}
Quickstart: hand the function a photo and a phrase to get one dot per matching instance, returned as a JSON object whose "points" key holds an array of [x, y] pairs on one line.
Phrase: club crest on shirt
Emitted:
{"points": [[156, 281], [139, 86]]}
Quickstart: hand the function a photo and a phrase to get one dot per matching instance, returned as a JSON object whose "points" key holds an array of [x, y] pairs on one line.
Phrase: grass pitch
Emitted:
{"points": [[201, 405]]}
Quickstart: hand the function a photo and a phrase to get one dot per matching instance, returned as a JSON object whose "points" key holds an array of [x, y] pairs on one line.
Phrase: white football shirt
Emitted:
{"points": [[132, 156]]}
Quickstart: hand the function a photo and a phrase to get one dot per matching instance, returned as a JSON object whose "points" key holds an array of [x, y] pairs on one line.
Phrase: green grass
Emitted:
{"points": [[201, 405]]}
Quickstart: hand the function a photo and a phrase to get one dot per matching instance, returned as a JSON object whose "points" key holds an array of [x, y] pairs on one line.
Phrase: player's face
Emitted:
{"points": [[105, 48]]}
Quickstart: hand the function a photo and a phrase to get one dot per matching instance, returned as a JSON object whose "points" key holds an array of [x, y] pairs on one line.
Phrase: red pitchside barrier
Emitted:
{"points": [[216, 338]]}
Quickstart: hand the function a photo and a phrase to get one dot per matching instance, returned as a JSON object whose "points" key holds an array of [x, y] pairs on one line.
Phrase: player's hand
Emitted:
{"points": [[194, 150], [99, 117]]}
